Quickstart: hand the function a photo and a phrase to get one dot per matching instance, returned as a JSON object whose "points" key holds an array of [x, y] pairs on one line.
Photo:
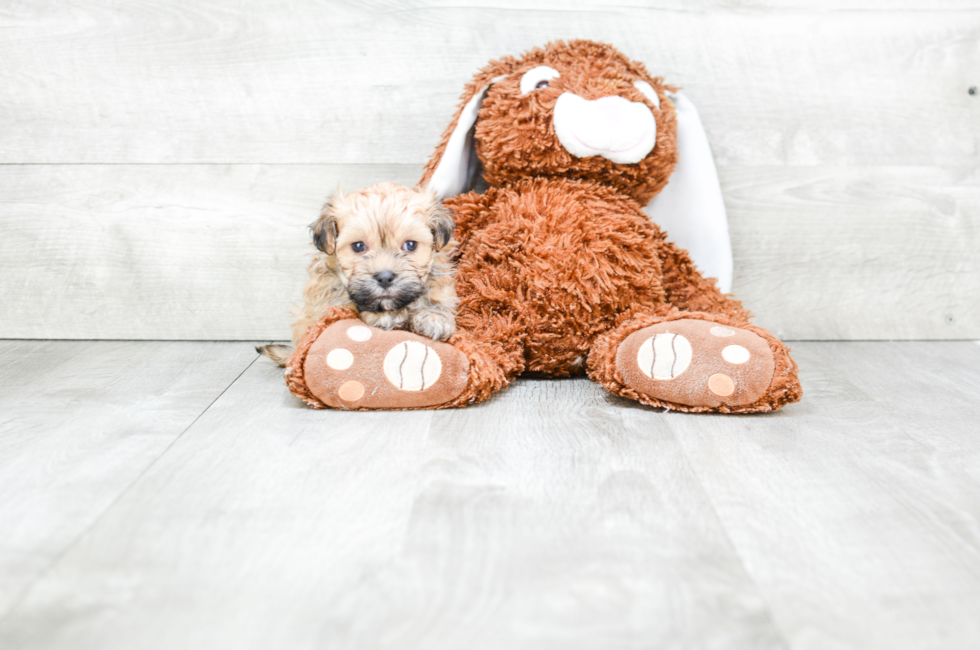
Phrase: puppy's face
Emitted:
{"points": [[383, 239]]}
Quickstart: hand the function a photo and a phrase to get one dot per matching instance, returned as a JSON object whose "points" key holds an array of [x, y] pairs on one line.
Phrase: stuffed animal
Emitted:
{"points": [[546, 170]]}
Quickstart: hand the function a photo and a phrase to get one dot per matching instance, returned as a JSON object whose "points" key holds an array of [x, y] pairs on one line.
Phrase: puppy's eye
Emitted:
{"points": [[538, 77], [358, 247], [409, 246]]}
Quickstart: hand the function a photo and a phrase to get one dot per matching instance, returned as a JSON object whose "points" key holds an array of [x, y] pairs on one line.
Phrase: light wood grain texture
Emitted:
{"points": [[535, 521], [553, 516], [845, 134], [103, 81], [831, 253], [162, 252], [219, 252], [79, 423], [859, 518], [593, 534], [759, 7], [943, 377]]}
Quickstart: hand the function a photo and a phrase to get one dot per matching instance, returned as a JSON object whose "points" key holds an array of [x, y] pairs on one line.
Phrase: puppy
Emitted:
{"points": [[385, 252]]}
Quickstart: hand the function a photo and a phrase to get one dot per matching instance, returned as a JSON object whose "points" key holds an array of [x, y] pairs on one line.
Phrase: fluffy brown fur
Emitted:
{"points": [[515, 134], [365, 265], [558, 263]]}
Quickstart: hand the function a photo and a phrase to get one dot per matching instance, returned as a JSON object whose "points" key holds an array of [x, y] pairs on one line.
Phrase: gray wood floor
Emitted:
{"points": [[174, 495]]}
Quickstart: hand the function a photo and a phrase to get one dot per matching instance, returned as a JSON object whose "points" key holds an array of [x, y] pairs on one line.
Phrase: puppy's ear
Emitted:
{"points": [[325, 228], [440, 223]]}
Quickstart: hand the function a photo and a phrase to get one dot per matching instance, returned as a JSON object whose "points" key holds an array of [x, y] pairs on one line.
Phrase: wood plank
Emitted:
{"points": [[930, 391], [219, 252], [538, 520], [213, 81], [758, 6], [838, 253], [79, 422], [592, 535], [162, 252], [859, 530]]}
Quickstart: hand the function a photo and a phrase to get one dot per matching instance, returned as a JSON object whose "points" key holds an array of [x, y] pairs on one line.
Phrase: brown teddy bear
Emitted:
{"points": [[546, 169]]}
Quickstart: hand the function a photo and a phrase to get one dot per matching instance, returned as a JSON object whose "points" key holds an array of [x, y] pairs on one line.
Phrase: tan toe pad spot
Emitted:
{"points": [[351, 391], [720, 384]]}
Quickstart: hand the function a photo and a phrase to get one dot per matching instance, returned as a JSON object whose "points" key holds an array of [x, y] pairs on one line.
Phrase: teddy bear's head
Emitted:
{"points": [[576, 110], [583, 110]]}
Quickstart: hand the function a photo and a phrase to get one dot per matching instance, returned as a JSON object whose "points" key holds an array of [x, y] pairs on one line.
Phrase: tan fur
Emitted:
{"points": [[278, 353], [382, 217]]}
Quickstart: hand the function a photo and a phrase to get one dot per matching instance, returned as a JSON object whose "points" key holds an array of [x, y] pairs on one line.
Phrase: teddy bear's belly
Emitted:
{"points": [[565, 264], [567, 302]]}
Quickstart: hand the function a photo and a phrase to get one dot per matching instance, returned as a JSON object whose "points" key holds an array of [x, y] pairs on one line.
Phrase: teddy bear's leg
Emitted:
{"points": [[343, 363], [694, 361]]}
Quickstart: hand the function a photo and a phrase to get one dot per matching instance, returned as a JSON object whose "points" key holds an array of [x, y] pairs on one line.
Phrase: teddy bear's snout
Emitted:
{"points": [[612, 127]]}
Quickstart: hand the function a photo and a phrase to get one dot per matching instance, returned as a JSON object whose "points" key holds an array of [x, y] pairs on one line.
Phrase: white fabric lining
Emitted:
{"points": [[690, 208]]}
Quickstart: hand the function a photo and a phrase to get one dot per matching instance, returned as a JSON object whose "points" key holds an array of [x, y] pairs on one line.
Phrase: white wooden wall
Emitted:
{"points": [[159, 161]]}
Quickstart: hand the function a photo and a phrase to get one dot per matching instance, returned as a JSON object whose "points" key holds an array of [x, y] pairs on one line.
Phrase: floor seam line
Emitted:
{"points": [[738, 556], [15, 603]]}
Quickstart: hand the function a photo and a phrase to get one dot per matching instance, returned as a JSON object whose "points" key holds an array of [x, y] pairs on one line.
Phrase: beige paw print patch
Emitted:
{"points": [[696, 363], [354, 366], [664, 356]]}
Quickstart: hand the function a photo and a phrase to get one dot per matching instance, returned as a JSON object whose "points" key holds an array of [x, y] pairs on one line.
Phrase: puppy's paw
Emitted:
{"points": [[436, 325]]}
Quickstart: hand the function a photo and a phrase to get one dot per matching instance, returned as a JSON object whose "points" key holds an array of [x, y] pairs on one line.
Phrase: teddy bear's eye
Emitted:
{"points": [[358, 247], [648, 92], [409, 246], [538, 77]]}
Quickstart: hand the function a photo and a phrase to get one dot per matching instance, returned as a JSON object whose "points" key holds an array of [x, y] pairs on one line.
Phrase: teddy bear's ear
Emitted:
{"points": [[455, 167], [690, 207]]}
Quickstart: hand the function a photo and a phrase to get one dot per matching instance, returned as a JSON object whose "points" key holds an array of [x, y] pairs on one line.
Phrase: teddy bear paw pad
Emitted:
{"points": [[354, 366], [696, 363]]}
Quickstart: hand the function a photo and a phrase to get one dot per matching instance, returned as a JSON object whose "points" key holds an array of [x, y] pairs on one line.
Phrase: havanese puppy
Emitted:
{"points": [[385, 252]]}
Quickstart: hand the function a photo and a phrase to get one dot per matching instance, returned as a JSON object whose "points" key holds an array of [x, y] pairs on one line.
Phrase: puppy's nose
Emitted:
{"points": [[384, 278]]}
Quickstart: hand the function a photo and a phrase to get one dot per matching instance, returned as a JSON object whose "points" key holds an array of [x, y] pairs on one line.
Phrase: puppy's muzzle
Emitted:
{"points": [[384, 291]]}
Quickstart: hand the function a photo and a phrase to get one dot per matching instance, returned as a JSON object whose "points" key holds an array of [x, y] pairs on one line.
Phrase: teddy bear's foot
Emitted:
{"points": [[697, 363], [353, 366]]}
